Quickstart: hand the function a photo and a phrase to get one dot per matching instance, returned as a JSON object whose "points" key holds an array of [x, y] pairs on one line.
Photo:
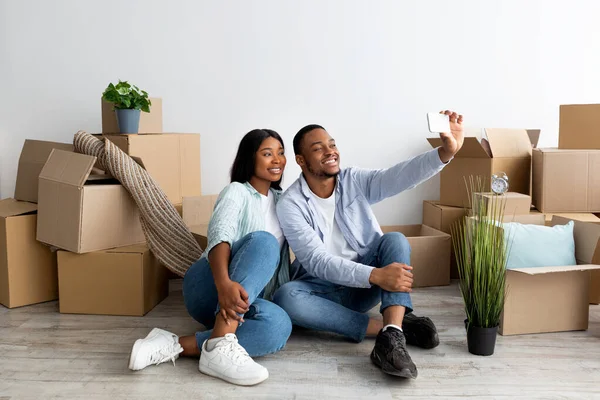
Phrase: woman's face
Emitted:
{"points": [[270, 160]]}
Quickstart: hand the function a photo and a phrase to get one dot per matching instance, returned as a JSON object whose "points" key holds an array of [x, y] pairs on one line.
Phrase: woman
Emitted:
{"points": [[228, 289]]}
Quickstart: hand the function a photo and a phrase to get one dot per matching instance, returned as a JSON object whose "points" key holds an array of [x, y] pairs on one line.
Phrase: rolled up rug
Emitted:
{"points": [[168, 238]]}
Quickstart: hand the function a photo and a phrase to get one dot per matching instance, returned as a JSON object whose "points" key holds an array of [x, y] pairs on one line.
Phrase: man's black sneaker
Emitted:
{"points": [[420, 331], [390, 354]]}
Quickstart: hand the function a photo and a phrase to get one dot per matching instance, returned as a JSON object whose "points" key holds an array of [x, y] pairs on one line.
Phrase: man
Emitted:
{"points": [[344, 264]]}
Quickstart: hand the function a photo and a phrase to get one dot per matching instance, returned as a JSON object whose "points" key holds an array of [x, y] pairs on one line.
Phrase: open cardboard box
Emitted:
{"points": [[430, 254], [171, 159], [28, 272], [82, 212], [33, 156], [501, 150], [552, 299]]}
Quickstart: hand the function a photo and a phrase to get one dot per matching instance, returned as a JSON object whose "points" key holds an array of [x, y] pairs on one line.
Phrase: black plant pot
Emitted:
{"points": [[481, 341]]}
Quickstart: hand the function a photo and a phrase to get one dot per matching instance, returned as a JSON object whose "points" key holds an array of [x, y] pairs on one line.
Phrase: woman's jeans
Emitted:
{"points": [[253, 261]]}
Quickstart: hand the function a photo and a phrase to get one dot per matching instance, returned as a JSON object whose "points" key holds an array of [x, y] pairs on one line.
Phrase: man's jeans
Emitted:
{"points": [[254, 259], [316, 304]]}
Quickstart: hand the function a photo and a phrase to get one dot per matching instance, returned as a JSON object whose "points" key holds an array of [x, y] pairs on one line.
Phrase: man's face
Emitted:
{"points": [[319, 154]]}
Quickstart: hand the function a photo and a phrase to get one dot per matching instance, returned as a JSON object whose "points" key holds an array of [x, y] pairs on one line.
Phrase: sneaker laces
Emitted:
{"points": [[165, 353], [230, 346]]}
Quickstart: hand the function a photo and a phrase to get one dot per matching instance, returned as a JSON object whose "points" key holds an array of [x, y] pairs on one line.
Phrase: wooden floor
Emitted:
{"points": [[47, 355]]}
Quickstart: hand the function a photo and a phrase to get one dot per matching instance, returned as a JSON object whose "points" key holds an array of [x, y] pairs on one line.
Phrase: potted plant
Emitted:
{"points": [[481, 255], [128, 102]]}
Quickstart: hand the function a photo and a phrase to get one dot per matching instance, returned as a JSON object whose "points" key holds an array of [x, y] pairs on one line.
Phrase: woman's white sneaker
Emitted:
{"points": [[230, 361], [158, 347]]}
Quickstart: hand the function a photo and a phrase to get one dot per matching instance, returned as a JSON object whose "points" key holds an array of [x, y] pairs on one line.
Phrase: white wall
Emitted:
{"points": [[367, 71]]}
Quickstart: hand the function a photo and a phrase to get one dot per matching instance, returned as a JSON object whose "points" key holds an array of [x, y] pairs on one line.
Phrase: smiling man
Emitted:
{"points": [[344, 264]]}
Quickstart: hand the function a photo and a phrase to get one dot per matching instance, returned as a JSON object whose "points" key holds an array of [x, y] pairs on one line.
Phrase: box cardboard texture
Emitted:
{"points": [[81, 212], [579, 126], [28, 272], [504, 150], [442, 218], [172, 159], [151, 122], [552, 299], [566, 181], [196, 216], [33, 156], [514, 203], [430, 254], [122, 281]]}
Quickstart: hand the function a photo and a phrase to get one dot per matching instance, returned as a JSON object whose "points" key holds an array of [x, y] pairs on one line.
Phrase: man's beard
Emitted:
{"points": [[321, 174]]}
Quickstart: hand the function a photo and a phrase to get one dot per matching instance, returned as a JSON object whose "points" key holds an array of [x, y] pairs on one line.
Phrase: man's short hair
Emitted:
{"points": [[300, 135]]}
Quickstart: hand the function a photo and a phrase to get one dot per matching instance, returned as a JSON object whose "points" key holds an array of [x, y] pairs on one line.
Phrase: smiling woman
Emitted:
{"points": [[229, 288]]}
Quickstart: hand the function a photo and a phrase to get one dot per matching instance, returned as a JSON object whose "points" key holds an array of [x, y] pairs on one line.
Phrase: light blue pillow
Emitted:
{"points": [[532, 246]]}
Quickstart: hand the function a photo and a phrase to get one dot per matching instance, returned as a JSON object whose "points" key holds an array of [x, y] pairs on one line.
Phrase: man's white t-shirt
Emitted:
{"points": [[271, 221], [333, 238]]}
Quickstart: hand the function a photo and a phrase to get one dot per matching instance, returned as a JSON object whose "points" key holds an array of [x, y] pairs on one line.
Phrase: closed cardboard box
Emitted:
{"points": [[552, 299], [151, 122], [172, 159], [27, 268], [34, 155], [512, 203], [122, 281], [566, 181], [81, 212], [579, 126], [443, 218], [430, 254], [500, 150], [197, 211]]}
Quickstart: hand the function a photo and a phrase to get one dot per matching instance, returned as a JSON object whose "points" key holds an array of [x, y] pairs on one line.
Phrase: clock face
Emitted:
{"points": [[499, 186]]}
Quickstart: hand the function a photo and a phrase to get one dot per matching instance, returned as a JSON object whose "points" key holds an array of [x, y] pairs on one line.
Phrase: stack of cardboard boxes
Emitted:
{"points": [[72, 232]]}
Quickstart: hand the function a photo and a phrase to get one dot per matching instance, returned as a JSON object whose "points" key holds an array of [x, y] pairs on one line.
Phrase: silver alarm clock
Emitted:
{"points": [[499, 183]]}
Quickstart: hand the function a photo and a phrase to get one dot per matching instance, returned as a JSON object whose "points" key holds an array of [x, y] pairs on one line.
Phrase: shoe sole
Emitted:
{"points": [[136, 349], [390, 370], [240, 382]]}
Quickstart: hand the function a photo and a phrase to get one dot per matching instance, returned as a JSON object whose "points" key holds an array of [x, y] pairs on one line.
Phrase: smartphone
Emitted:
{"points": [[438, 122]]}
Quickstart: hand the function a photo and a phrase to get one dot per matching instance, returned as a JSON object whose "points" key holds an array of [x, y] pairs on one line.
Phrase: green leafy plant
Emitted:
{"points": [[481, 255], [126, 96]]}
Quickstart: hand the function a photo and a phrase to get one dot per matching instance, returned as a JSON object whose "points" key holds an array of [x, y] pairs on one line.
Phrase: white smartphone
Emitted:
{"points": [[438, 122]]}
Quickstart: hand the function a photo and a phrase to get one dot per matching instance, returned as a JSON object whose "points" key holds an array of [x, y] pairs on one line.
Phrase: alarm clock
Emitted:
{"points": [[499, 183]]}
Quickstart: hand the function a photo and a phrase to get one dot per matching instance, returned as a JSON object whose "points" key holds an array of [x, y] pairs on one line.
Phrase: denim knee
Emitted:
{"points": [[280, 327], [264, 241], [396, 240]]}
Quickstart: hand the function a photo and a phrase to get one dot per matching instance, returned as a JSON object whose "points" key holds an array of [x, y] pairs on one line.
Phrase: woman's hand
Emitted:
{"points": [[233, 300]]}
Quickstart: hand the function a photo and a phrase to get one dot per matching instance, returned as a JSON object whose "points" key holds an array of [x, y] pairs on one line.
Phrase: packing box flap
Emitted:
{"points": [[67, 167], [587, 236], [198, 209], [12, 208], [548, 270], [31, 161], [534, 136], [471, 148], [509, 142]]}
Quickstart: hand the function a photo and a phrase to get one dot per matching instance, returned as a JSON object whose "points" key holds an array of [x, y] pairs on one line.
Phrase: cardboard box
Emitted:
{"points": [[430, 254], [506, 150], [172, 159], [583, 217], [552, 299], [566, 181], [33, 157], [81, 212], [123, 281], [442, 218], [151, 122], [27, 268], [197, 211], [579, 126], [514, 203]]}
